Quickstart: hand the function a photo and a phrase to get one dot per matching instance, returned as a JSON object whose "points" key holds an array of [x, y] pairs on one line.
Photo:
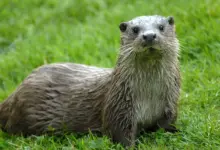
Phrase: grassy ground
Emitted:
{"points": [[36, 32]]}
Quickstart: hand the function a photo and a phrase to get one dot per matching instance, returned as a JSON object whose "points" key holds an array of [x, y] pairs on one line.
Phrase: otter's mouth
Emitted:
{"points": [[151, 49], [148, 46]]}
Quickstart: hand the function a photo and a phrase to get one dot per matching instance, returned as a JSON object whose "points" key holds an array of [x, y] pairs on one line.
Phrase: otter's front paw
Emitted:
{"points": [[170, 128], [125, 140]]}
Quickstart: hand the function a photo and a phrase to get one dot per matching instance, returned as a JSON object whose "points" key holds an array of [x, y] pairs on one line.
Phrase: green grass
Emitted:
{"points": [[36, 32]]}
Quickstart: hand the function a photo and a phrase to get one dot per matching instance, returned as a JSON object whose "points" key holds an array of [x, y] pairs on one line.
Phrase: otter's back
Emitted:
{"points": [[51, 96]]}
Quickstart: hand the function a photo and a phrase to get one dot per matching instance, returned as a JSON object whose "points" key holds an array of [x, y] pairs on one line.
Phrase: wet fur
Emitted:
{"points": [[57, 98], [141, 92]]}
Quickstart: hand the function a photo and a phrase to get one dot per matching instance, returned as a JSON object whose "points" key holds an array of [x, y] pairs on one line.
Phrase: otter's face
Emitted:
{"points": [[149, 33]]}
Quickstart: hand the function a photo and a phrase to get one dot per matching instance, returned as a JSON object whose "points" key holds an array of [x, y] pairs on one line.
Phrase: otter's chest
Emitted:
{"points": [[149, 95]]}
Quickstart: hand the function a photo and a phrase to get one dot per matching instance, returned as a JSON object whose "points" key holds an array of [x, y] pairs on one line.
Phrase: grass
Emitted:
{"points": [[36, 32]]}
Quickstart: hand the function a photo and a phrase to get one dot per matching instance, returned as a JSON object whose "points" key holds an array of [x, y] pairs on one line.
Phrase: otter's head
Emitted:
{"points": [[149, 34]]}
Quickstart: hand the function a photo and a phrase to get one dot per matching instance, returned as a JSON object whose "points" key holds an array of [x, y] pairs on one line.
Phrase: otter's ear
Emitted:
{"points": [[123, 26], [170, 20]]}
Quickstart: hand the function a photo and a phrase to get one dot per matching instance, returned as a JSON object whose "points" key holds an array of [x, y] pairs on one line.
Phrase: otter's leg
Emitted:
{"points": [[123, 132], [167, 122], [120, 128], [118, 119], [170, 113]]}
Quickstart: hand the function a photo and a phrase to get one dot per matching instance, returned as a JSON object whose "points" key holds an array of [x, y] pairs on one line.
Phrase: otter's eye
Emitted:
{"points": [[161, 27], [135, 30]]}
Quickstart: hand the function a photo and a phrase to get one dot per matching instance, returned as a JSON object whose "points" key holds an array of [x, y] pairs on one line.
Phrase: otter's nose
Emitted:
{"points": [[149, 37]]}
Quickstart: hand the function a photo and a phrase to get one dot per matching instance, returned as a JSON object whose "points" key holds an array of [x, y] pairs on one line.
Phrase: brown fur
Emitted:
{"points": [[141, 92], [47, 101]]}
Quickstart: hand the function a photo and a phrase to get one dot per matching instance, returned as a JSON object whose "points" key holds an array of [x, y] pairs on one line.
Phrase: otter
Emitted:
{"points": [[139, 94]]}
